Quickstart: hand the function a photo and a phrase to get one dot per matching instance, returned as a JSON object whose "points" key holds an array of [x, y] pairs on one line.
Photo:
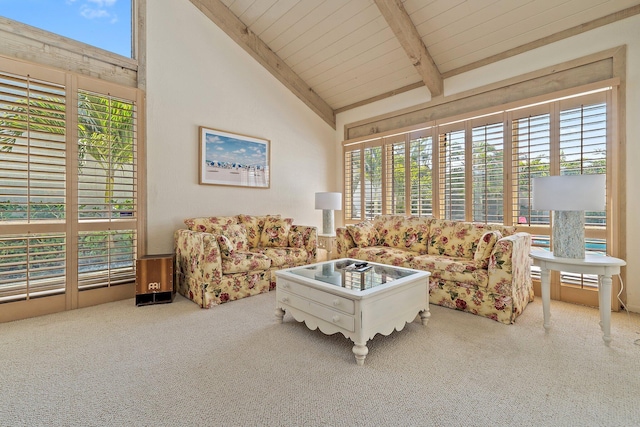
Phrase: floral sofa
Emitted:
{"points": [[483, 269], [220, 259]]}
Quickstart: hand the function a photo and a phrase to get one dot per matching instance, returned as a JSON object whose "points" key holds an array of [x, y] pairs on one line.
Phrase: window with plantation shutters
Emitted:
{"points": [[68, 188], [480, 167], [452, 175], [33, 189]]}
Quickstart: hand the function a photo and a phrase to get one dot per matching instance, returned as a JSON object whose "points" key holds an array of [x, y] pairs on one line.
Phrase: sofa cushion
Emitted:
{"points": [[254, 226], [241, 262], [458, 238], [363, 234], [382, 254], [485, 246], [231, 238], [400, 232], [452, 269], [206, 224], [275, 232], [284, 256]]}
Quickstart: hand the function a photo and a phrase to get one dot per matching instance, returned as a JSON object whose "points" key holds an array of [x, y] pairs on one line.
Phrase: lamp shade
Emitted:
{"points": [[332, 201], [569, 193]]}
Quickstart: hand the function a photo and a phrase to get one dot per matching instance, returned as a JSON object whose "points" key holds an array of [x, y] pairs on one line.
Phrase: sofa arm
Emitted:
{"points": [[198, 263], [510, 267], [344, 242]]}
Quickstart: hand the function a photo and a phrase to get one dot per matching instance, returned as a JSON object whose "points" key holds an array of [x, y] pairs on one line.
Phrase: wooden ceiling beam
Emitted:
{"points": [[220, 15], [398, 19]]}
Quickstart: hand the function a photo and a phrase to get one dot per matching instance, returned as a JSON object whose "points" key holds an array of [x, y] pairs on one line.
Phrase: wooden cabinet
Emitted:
{"points": [[154, 279]]}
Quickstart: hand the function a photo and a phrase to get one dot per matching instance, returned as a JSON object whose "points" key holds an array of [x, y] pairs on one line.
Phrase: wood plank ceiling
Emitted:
{"points": [[338, 54]]}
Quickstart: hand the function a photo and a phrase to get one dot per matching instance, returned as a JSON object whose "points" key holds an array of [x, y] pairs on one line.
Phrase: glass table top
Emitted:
{"points": [[352, 274]]}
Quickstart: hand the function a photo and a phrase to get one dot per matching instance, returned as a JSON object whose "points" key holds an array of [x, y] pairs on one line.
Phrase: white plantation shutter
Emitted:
{"points": [[531, 140], [421, 165], [353, 184], [487, 173], [583, 149], [452, 175], [583, 146], [372, 182], [395, 175], [32, 187], [107, 190]]}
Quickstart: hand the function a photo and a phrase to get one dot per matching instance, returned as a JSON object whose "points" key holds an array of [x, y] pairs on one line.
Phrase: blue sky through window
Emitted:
{"points": [[102, 23]]}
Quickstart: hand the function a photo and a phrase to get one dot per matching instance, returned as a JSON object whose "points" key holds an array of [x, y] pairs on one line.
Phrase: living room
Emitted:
{"points": [[195, 75]]}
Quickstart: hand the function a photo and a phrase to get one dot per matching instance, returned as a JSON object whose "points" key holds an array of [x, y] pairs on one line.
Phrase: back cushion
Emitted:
{"points": [[363, 234], [236, 235], [276, 232], [254, 226], [459, 239], [398, 231], [207, 224]]}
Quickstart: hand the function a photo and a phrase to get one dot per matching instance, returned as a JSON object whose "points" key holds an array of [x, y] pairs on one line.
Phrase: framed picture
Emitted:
{"points": [[233, 159]]}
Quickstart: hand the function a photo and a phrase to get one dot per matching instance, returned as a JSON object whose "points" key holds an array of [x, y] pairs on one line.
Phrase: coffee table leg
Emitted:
{"points": [[425, 315], [360, 351], [279, 314]]}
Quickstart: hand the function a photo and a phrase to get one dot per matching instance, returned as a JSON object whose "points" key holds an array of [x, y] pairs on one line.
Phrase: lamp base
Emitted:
{"points": [[568, 234], [327, 222]]}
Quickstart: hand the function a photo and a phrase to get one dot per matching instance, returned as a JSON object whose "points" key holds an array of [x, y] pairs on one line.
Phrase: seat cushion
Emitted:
{"points": [[383, 255], [459, 270], [241, 262], [284, 256]]}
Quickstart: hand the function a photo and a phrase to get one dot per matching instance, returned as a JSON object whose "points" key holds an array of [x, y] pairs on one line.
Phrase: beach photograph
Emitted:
{"points": [[232, 159]]}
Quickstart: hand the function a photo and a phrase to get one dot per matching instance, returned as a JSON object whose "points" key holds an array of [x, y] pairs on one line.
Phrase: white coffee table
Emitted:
{"points": [[333, 297]]}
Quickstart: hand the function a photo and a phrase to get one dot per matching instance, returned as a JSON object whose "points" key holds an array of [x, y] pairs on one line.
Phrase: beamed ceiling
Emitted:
{"points": [[339, 54]]}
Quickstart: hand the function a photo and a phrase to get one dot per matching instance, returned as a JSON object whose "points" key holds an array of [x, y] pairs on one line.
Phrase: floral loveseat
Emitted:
{"points": [[220, 259], [483, 269]]}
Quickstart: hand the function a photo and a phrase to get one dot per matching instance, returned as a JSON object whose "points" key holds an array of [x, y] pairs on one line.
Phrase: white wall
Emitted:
{"points": [[613, 35], [197, 76]]}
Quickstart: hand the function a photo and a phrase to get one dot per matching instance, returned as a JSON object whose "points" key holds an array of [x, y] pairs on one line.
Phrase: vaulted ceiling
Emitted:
{"points": [[338, 54]]}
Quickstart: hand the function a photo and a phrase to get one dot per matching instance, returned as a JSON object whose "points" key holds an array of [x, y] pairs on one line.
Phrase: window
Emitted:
{"points": [[485, 165], [103, 24], [68, 184]]}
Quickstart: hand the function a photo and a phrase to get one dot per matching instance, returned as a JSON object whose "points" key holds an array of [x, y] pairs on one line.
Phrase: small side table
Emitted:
{"points": [[603, 266], [154, 279], [328, 243]]}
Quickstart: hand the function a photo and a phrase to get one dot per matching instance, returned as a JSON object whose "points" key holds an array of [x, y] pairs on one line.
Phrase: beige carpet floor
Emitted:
{"points": [[234, 365]]}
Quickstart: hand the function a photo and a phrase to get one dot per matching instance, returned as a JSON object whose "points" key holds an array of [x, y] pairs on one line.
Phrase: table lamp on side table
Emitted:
{"points": [[569, 196], [328, 202]]}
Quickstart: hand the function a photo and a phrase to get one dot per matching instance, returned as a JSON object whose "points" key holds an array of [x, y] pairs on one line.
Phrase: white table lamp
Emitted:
{"points": [[328, 202], [569, 196]]}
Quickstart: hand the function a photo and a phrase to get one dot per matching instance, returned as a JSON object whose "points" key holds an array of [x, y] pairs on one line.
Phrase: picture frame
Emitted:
{"points": [[233, 159]]}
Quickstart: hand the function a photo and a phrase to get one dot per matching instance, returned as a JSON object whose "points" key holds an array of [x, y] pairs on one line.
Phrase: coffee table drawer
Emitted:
{"points": [[335, 302], [320, 311]]}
